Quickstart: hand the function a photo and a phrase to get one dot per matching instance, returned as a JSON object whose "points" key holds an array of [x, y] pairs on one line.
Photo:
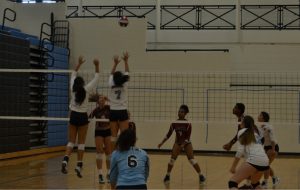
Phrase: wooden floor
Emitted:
{"points": [[43, 172]]}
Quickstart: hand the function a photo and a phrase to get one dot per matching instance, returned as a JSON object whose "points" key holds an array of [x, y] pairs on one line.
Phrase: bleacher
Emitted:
{"points": [[32, 94]]}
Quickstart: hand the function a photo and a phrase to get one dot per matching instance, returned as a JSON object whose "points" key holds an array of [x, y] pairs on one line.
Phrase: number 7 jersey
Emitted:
{"points": [[118, 97]]}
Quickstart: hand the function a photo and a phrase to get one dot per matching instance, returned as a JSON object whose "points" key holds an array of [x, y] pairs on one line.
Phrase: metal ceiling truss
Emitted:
{"points": [[270, 17], [197, 17], [117, 12]]}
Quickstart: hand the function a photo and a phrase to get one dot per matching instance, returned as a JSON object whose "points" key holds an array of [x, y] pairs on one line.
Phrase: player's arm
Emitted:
{"points": [[125, 59], [167, 136], [93, 83], [115, 64], [230, 143]]}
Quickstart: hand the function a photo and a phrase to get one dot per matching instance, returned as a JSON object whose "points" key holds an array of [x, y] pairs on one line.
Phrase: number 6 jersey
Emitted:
{"points": [[129, 167]]}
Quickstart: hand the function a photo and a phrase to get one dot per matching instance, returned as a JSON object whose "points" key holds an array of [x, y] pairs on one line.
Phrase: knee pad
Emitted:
{"points": [[70, 144], [113, 139], [232, 184], [172, 161], [192, 161], [81, 146], [255, 185], [108, 157], [99, 156]]}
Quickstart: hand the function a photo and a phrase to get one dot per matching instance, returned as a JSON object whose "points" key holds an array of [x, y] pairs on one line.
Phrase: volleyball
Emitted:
{"points": [[123, 21]]}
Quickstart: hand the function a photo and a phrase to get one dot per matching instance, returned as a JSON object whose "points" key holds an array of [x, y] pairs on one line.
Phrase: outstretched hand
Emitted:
{"points": [[116, 60], [125, 56], [96, 62], [81, 60]]}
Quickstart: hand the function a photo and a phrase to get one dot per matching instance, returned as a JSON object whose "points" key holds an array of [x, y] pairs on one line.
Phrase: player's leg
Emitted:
{"points": [[82, 131], [99, 141], [190, 155], [72, 133], [175, 152]]}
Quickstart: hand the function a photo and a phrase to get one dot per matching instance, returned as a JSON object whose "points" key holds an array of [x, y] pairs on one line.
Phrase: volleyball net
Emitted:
{"points": [[36, 102]]}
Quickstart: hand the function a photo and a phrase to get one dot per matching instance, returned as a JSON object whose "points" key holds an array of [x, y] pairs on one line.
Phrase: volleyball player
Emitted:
{"points": [[271, 147], [129, 164], [238, 111], [183, 131], [102, 136], [78, 123], [118, 98], [256, 159]]}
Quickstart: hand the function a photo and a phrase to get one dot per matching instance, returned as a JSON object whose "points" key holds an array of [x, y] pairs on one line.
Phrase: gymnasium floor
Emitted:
{"points": [[43, 172]]}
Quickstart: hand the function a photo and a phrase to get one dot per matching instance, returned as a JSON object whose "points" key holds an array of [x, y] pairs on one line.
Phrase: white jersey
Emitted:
{"points": [[83, 107], [254, 153], [268, 133], [118, 97]]}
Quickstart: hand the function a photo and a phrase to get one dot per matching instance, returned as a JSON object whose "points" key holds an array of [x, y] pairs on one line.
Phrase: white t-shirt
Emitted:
{"points": [[268, 133], [83, 107], [254, 153], [118, 97]]}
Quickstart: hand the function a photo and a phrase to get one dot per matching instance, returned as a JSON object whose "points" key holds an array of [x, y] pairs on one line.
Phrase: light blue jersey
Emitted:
{"points": [[129, 167]]}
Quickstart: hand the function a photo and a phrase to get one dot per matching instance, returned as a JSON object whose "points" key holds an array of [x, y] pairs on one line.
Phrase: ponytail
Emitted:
{"points": [[79, 90]]}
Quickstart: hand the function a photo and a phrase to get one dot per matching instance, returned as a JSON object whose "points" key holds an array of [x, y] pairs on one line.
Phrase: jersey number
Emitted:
{"points": [[118, 93], [131, 161]]}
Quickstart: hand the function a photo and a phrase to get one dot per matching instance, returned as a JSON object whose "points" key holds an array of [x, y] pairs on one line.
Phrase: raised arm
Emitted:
{"points": [[96, 63], [74, 73], [116, 62], [125, 58], [92, 84], [81, 60]]}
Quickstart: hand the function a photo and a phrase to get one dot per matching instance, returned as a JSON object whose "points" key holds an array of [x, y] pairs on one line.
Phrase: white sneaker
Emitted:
{"points": [[264, 185], [275, 181]]}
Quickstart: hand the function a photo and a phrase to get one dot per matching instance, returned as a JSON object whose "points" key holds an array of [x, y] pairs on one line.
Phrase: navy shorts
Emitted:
{"points": [[118, 115], [103, 133], [260, 168], [270, 147], [144, 186], [78, 119]]}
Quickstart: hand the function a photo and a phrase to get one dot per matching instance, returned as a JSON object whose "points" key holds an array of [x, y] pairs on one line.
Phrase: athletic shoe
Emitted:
{"points": [[101, 180], [78, 171], [167, 179], [264, 185], [64, 167], [275, 181], [201, 179]]}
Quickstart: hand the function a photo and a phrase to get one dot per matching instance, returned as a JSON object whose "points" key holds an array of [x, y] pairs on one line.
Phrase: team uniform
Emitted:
{"points": [[182, 130], [269, 137], [78, 115], [118, 100], [254, 154], [102, 128], [129, 169]]}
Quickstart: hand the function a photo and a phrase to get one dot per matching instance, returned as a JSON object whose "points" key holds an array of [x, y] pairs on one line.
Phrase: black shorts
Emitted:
{"points": [[78, 119], [260, 168], [270, 147], [103, 133], [118, 115], [144, 186]]}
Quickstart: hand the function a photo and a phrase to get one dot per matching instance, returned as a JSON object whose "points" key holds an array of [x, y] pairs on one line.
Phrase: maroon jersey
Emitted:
{"points": [[101, 113], [182, 130]]}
